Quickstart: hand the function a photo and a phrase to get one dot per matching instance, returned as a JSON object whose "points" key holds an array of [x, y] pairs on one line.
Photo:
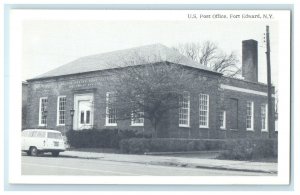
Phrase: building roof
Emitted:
{"points": [[123, 58]]}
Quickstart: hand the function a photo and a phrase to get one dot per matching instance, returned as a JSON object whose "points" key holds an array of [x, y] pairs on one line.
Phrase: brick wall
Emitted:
{"points": [[24, 104], [206, 83]]}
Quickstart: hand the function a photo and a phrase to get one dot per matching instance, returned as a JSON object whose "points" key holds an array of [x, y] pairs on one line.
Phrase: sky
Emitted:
{"points": [[48, 44]]}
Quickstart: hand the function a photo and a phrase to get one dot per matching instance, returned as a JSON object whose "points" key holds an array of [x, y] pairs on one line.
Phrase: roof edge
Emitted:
{"points": [[80, 73]]}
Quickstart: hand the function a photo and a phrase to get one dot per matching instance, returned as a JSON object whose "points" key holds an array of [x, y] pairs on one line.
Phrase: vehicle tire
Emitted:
{"points": [[55, 153], [34, 151]]}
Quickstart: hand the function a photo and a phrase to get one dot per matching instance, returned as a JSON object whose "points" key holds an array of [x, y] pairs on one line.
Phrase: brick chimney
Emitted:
{"points": [[249, 60]]}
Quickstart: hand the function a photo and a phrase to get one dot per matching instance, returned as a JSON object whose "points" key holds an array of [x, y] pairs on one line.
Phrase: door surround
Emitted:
{"points": [[77, 99]]}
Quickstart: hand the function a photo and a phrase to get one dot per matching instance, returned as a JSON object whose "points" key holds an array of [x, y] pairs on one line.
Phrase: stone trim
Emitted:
{"points": [[254, 92]]}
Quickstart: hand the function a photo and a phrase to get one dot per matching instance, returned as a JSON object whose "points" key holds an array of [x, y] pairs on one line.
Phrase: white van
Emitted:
{"points": [[36, 141]]}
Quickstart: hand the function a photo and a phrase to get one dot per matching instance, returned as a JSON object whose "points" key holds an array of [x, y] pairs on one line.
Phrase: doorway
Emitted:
{"points": [[84, 111]]}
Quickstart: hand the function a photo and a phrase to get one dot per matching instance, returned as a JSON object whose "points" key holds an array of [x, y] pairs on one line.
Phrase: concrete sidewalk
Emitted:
{"points": [[263, 167]]}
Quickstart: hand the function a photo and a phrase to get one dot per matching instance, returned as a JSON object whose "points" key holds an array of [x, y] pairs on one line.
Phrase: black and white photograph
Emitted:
{"points": [[144, 94]]}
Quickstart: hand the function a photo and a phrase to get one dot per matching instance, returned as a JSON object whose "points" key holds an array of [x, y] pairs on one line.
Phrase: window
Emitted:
{"points": [[184, 110], [40, 134], [223, 119], [88, 117], [264, 117], [137, 114], [249, 116], [61, 110], [82, 117], [53, 135], [203, 110], [43, 111], [137, 119], [111, 112]]}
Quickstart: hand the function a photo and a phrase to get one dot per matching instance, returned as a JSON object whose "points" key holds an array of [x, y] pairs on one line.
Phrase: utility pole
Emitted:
{"points": [[270, 105]]}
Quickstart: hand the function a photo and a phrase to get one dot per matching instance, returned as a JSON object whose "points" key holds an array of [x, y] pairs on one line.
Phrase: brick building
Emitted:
{"points": [[218, 106], [24, 103]]}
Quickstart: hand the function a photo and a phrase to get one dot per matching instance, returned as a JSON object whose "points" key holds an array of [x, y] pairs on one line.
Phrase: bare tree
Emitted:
{"points": [[149, 90], [208, 54]]}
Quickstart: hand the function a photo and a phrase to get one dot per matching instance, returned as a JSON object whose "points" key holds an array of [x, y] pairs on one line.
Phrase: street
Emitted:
{"points": [[47, 165]]}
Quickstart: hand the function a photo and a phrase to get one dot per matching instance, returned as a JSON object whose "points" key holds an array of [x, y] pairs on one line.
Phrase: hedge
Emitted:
{"points": [[142, 145], [99, 138], [250, 149]]}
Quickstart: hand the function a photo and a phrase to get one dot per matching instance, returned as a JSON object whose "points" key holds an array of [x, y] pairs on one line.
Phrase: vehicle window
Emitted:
{"points": [[30, 134], [35, 133], [54, 135], [40, 134]]}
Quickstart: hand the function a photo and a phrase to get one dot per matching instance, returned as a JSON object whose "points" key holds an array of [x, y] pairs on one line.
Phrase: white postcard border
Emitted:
{"points": [[15, 75]]}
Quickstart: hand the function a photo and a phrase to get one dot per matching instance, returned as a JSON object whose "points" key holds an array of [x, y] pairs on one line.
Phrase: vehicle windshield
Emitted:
{"points": [[54, 135]]}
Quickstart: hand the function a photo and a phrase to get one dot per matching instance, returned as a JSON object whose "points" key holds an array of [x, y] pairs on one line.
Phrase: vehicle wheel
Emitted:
{"points": [[34, 151], [55, 154]]}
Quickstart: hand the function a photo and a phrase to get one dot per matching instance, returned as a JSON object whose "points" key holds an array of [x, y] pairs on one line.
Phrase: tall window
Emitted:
{"points": [[249, 116], [42, 111], [137, 114], [61, 110], [203, 110], [137, 119], [111, 112], [264, 117], [184, 110], [222, 119]]}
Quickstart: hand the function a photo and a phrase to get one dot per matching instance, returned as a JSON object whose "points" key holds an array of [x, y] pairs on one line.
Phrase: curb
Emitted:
{"points": [[211, 167], [235, 169], [186, 152], [176, 164]]}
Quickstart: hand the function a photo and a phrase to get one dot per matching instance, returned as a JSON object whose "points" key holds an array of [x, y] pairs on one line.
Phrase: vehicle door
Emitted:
{"points": [[40, 139], [54, 140]]}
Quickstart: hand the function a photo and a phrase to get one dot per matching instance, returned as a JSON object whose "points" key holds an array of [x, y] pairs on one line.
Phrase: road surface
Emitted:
{"points": [[47, 165]]}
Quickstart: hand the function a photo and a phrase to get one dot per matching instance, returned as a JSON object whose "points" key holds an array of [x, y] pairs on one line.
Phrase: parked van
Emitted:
{"points": [[36, 141]]}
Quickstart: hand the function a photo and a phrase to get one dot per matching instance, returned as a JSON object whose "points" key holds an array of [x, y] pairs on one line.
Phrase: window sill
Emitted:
{"points": [[221, 128], [110, 125], [137, 125], [264, 130], [203, 127], [250, 129], [185, 126], [61, 125]]}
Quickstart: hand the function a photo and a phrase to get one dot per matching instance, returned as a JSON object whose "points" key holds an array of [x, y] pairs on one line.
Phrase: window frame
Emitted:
{"points": [[252, 116], [58, 111], [133, 123], [207, 111], [40, 111], [188, 110], [107, 112], [266, 129], [223, 125]]}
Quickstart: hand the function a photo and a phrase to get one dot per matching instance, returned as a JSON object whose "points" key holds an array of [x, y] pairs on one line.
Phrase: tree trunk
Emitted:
{"points": [[154, 131]]}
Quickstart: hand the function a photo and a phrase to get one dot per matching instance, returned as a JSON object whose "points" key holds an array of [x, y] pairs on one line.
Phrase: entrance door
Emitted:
{"points": [[84, 114], [84, 111]]}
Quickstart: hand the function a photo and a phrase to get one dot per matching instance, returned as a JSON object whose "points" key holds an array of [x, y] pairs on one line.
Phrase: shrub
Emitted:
{"points": [[142, 145], [103, 138], [249, 149]]}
